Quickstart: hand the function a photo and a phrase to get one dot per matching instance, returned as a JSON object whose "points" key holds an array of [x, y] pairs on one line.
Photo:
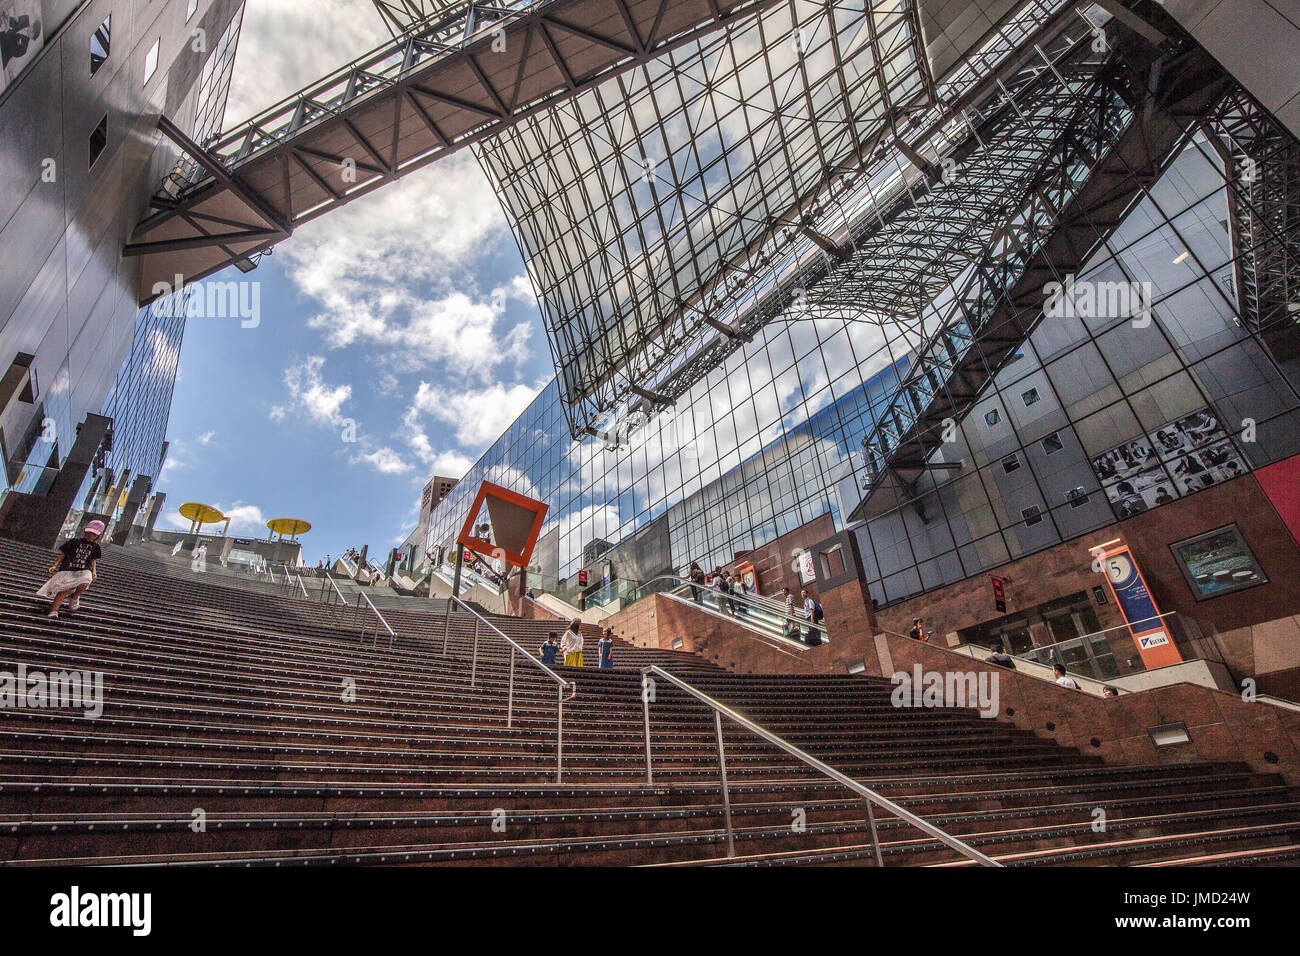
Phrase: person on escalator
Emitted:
{"points": [[791, 628], [1064, 679], [813, 611], [697, 582], [723, 587], [74, 570], [1002, 659], [738, 588]]}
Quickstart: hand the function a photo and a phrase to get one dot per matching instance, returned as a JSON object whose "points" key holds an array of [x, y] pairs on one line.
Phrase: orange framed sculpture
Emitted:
{"points": [[516, 523]]}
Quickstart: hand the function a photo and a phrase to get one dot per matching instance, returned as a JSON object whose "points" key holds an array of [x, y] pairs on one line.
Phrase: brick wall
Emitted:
{"points": [[773, 562], [1243, 619], [1222, 727]]}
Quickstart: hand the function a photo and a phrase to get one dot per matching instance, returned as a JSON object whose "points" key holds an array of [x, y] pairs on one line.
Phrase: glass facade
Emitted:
{"points": [[141, 398], [214, 84], [1105, 411]]}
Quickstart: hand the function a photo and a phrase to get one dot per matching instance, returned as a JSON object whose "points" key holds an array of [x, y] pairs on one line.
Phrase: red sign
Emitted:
{"points": [[582, 579], [516, 520], [467, 555], [999, 593]]}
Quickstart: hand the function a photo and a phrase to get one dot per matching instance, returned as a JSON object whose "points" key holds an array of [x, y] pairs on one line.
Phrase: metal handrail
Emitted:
{"points": [[337, 592], [868, 795], [301, 585], [391, 635], [561, 682], [1040, 648], [764, 606]]}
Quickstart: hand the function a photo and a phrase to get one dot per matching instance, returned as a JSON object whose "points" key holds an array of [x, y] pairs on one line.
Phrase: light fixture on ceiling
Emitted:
{"points": [[1181, 258]]}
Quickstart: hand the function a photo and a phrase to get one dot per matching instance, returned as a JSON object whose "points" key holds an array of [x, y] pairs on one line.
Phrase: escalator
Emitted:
{"points": [[764, 617]]}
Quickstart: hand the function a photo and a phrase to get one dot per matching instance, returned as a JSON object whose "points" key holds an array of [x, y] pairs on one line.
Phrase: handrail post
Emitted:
{"points": [[473, 667], [875, 837], [559, 733], [510, 696], [726, 793], [645, 710], [446, 625]]}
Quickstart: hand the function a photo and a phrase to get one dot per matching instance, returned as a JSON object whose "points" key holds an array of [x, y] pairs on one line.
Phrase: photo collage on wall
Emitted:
{"points": [[21, 36], [1194, 450]]}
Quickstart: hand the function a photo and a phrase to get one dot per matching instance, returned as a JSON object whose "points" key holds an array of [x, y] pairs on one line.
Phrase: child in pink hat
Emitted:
{"points": [[74, 571]]}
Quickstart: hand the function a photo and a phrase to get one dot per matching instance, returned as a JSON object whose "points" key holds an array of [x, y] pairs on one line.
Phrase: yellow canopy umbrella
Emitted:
{"points": [[201, 514], [290, 526]]}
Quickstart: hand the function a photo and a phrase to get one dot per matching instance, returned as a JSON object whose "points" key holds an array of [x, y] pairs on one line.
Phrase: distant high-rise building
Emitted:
{"points": [[434, 492]]}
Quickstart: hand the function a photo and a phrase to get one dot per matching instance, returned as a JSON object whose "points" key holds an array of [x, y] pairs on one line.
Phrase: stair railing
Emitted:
{"points": [[331, 596], [868, 795], [379, 620], [481, 623]]}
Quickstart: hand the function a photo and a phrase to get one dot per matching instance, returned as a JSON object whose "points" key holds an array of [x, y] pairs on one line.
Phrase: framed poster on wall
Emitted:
{"points": [[1218, 562]]}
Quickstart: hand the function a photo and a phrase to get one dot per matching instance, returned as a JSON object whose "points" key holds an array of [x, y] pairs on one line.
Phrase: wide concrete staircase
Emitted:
{"points": [[243, 726]]}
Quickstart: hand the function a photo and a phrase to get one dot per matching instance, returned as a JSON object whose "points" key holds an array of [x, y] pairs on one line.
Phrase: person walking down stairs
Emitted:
{"points": [[550, 647], [74, 570], [605, 650], [571, 644]]}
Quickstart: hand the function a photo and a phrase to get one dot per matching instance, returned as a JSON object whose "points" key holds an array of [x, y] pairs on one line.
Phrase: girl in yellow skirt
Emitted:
{"points": [[571, 644]]}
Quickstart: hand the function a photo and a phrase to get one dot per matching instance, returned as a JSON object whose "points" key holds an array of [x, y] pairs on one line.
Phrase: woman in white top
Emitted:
{"points": [[571, 644]]}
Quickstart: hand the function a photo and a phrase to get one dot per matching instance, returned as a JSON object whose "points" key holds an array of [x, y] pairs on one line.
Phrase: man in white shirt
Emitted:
{"points": [[813, 612], [1064, 679]]}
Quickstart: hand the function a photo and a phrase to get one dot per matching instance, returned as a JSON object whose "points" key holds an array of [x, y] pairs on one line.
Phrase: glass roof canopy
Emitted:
{"points": [[889, 255], [635, 203]]}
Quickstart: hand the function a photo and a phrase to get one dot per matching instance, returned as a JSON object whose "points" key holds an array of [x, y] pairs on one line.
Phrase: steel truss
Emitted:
{"points": [[1143, 108], [400, 15], [447, 82], [1262, 161]]}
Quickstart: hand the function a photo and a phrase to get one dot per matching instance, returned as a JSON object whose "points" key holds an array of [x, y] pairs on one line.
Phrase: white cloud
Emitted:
{"points": [[286, 44], [478, 416], [310, 395], [390, 269], [170, 466], [386, 461], [206, 438], [454, 329], [517, 288], [451, 464]]}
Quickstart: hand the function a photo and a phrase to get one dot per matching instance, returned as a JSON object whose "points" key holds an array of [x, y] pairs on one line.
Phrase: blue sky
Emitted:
{"points": [[397, 337]]}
